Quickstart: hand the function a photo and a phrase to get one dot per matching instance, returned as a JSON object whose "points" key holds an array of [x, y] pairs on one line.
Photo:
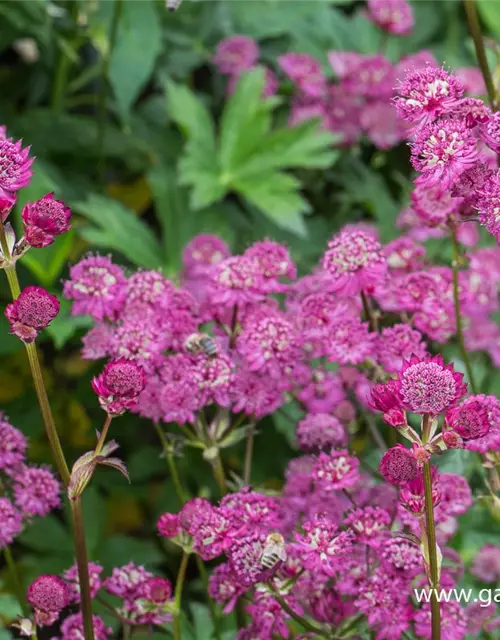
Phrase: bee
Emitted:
{"points": [[173, 5], [201, 342], [274, 551]]}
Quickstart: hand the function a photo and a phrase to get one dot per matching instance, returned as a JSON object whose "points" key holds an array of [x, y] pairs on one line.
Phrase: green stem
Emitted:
{"points": [[247, 470], [458, 313], [475, 31], [369, 315], [82, 564], [16, 579], [433, 557], [181, 576], [62, 69], [102, 437], [101, 112], [308, 626], [219, 475]]}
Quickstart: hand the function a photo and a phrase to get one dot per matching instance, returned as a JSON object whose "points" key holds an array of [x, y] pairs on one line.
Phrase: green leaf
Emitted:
{"points": [[489, 13], [191, 115], [119, 550], [46, 534], [116, 227], [285, 420], [138, 43], [65, 325], [9, 606], [47, 263]]}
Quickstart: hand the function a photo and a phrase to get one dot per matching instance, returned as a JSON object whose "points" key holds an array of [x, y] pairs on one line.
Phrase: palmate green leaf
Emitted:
{"points": [[191, 115], [116, 227], [138, 43], [490, 14]]}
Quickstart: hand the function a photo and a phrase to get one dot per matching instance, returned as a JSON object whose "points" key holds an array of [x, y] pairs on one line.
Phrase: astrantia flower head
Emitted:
{"points": [[96, 286], [369, 524], [48, 593], [157, 590], [305, 71], [73, 581], [398, 465], [169, 525], [432, 205], [354, 262], [224, 587], [442, 151], [32, 311], [202, 252], [245, 556], [213, 378], [412, 494], [453, 621], [490, 132], [72, 628], [10, 522], [13, 446], [470, 419], [384, 397], [471, 182], [487, 203], [402, 556], [235, 280], [272, 261], [486, 563], [427, 93], [36, 491], [397, 343], [44, 220], [255, 394], [236, 54], [336, 470], [119, 385], [394, 16], [125, 581], [429, 386], [15, 165], [404, 254], [320, 431]]}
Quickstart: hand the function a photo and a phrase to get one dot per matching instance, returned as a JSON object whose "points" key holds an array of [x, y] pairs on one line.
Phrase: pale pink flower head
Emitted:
{"points": [[490, 132], [73, 580], [374, 77], [119, 385], [272, 261], [428, 386], [486, 563], [487, 203], [72, 628], [469, 419], [398, 465], [31, 312], [44, 220], [97, 287], [397, 343], [305, 71], [320, 431], [442, 151], [453, 621], [225, 587], [13, 446], [49, 593], [15, 165], [354, 262], [97, 342], [235, 280], [36, 491], [342, 115], [382, 125], [432, 205], [125, 581], [212, 379], [236, 54], [202, 252], [404, 254], [394, 16], [472, 79], [336, 470], [425, 94], [10, 522]]}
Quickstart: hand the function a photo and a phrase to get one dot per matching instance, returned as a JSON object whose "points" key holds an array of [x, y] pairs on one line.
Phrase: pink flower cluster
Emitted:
{"points": [[28, 491]]}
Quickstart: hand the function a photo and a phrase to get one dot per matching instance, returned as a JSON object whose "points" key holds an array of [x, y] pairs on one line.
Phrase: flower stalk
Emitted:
{"points": [[477, 37], [16, 579], [433, 554], [181, 576]]}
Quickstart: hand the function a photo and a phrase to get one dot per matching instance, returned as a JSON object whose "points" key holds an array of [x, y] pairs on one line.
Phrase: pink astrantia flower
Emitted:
{"points": [[382, 125], [429, 386], [15, 165], [224, 587], [32, 311], [369, 524], [398, 465], [320, 431], [255, 394], [487, 204], [125, 581], [48, 593], [397, 343], [350, 342], [341, 115], [13, 446], [491, 441], [469, 419], [201, 253], [10, 522], [235, 280], [453, 621], [322, 546], [486, 563], [354, 262], [471, 182], [73, 581], [119, 385], [36, 491], [272, 262], [305, 71], [212, 379], [442, 151], [490, 132], [427, 93], [432, 205], [336, 470], [373, 77], [96, 286], [394, 16], [402, 556], [404, 254], [72, 628], [236, 54], [412, 494], [385, 398], [245, 557], [97, 342], [169, 525], [44, 220]]}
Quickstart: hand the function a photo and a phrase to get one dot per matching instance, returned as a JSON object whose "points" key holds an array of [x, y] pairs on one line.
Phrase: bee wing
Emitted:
{"points": [[282, 555]]}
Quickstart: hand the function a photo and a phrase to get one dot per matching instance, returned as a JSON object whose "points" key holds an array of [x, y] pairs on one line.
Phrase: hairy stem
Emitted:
{"points": [[181, 576], [458, 313], [475, 31], [102, 437], [16, 579], [247, 470], [433, 556]]}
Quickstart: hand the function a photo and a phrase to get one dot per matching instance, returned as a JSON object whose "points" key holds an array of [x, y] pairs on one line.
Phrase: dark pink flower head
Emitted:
{"points": [[397, 343], [404, 254], [487, 203], [490, 132], [157, 590], [432, 205], [442, 151], [385, 398], [44, 220], [212, 379], [169, 525], [471, 181], [224, 586], [236, 54], [470, 419], [305, 71], [398, 465], [7, 201], [427, 93], [97, 287], [412, 494], [369, 524], [272, 262], [235, 280], [36, 491], [320, 431], [429, 386], [49, 593], [336, 470], [32, 311], [354, 262], [13, 446], [15, 165], [394, 16], [119, 385], [202, 252]]}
